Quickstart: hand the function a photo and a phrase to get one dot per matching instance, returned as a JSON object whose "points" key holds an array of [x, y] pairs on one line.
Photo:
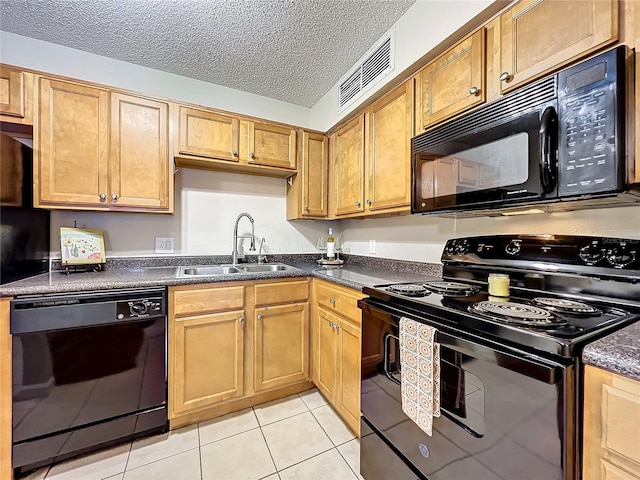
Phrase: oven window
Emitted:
{"points": [[500, 163]]}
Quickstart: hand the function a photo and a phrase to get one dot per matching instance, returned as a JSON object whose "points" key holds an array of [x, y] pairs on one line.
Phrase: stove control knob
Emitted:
{"points": [[450, 248], [621, 256], [513, 247], [592, 253], [462, 247], [138, 308]]}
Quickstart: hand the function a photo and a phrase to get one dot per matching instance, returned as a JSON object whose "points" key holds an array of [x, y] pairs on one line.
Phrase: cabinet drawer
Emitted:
{"points": [[281, 292], [208, 299], [339, 301]]}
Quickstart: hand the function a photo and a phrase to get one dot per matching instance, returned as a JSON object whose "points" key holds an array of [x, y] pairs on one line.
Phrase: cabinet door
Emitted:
{"points": [[539, 35], [314, 175], [454, 82], [281, 346], [349, 374], [348, 158], [12, 94], [207, 360], [390, 126], [271, 145], [326, 352], [71, 145], [139, 165], [208, 134]]}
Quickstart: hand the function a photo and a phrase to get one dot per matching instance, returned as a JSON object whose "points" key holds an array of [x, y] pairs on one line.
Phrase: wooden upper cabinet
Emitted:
{"points": [[71, 145], [348, 160], [270, 145], [208, 134], [390, 124], [453, 82], [139, 165], [12, 92], [307, 192], [540, 35]]}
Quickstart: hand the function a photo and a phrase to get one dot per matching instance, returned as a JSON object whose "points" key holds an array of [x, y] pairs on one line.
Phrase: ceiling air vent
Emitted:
{"points": [[376, 64]]}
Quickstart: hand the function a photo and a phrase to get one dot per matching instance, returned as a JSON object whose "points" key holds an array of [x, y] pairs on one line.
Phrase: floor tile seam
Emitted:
{"points": [[227, 437], [159, 459], [200, 452], [269, 450], [302, 461], [327, 434], [126, 464], [357, 474], [282, 419]]}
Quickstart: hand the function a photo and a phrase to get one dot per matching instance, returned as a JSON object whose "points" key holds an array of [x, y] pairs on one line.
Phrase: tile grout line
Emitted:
{"points": [[200, 453], [266, 443], [306, 459], [126, 464], [357, 474]]}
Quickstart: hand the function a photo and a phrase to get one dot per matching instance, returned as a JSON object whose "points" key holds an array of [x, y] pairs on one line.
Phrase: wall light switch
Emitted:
{"points": [[372, 246], [164, 244]]}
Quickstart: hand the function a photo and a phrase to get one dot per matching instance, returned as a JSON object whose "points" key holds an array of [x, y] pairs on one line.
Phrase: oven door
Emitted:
{"points": [[509, 163], [505, 414]]}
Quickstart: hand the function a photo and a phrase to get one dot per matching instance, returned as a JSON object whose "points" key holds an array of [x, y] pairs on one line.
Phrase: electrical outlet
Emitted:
{"points": [[372, 246], [164, 244]]}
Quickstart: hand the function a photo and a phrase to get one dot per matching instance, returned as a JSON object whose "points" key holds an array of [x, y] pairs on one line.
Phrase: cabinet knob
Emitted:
{"points": [[474, 91], [252, 155], [241, 320], [336, 327], [234, 153], [332, 301], [259, 316], [505, 77], [102, 197], [358, 204], [114, 197], [369, 202], [306, 209]]}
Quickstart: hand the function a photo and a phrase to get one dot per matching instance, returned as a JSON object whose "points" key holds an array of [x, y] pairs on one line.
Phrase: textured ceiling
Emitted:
{"points": [[290, 50]]}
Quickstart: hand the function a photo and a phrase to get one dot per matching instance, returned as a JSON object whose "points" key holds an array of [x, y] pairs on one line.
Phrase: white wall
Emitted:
{"points": [[51, 58], [421, 238], [423, 26], [207, 204]]}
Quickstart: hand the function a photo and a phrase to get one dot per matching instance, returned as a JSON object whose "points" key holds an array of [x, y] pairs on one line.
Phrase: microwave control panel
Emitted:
{"points": [[589, 145]]}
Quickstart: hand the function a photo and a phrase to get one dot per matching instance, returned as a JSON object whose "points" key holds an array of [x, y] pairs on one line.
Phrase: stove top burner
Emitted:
{"points": [[451, 288], [410, 290], [517, 313], [562, 305]]}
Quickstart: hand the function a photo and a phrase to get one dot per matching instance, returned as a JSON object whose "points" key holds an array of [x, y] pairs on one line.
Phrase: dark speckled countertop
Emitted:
{"points": [[157, 271], [618, 353]]}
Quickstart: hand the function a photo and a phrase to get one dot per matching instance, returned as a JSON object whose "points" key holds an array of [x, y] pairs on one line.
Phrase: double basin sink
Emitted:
{"points": [[208, 270]]}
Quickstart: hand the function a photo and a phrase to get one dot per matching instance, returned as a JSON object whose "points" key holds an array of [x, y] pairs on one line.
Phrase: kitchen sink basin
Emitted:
{"points": [[209, 270]]}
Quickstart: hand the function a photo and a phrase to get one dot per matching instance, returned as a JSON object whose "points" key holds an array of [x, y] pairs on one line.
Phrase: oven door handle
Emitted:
{"points": [[387, 357]]}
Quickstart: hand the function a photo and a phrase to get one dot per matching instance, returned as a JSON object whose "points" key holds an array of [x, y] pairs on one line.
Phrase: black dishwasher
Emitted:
{"points": [[89, 370]]}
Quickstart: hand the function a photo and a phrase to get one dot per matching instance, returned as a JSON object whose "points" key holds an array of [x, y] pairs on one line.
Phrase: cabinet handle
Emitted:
{"points": [[332, 301], [505, 77], [369, 202], [114, 197], [252, 155], [259, 316], [336, 327], [234, 153], [240, 319], [306, 209], [474, 91], [358, 204], [102, 197]]}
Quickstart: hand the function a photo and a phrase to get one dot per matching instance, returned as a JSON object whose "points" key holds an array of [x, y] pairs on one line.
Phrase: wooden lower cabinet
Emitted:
{"points": [[336, 349], [236, 344], [611, 444]]}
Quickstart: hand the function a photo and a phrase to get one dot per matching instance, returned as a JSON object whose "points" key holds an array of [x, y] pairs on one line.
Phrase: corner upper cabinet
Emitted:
{"points": [[453, 82], [269, 145], [348, 160], [139, 169], [207, 134], [389, 126], [16, 96], [540, 35], [71, 146], [307, 192], [85, 160]]}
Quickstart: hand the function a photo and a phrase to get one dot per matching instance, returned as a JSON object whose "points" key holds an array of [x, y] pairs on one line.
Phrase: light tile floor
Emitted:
{"points": [[297, 437]]}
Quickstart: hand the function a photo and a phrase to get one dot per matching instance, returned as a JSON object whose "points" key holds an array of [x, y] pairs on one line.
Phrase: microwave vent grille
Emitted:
{"points": [[490, 114]]}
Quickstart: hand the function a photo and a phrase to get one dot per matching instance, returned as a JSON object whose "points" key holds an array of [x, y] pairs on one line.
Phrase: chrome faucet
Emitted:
{"points": [[234, 255]]}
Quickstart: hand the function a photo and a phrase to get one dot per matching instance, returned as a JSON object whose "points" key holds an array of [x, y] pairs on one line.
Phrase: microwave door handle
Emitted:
{"points": [[548, 142]]}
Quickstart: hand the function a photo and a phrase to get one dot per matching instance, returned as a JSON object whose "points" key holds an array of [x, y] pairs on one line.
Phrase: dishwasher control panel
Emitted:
{"points": [[140, 308]]}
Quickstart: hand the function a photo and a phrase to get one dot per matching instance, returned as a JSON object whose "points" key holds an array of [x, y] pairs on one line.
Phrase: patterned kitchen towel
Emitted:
{"points": [[420, 373]]}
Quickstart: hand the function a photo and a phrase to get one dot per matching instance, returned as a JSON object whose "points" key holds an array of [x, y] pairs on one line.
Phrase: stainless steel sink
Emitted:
{"points": [[208, 270]]}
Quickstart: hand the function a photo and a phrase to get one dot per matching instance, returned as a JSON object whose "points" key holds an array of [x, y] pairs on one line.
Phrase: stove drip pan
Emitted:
{"points": [[518, 314], [563, 305], [410, 290], [453, 289]]}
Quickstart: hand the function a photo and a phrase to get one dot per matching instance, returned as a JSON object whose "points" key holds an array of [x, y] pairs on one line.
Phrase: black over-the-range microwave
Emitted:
{"points": [[559, 142]]}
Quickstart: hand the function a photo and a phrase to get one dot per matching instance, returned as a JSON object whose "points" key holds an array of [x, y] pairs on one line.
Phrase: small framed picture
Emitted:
{"points": [[81, 246]]}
